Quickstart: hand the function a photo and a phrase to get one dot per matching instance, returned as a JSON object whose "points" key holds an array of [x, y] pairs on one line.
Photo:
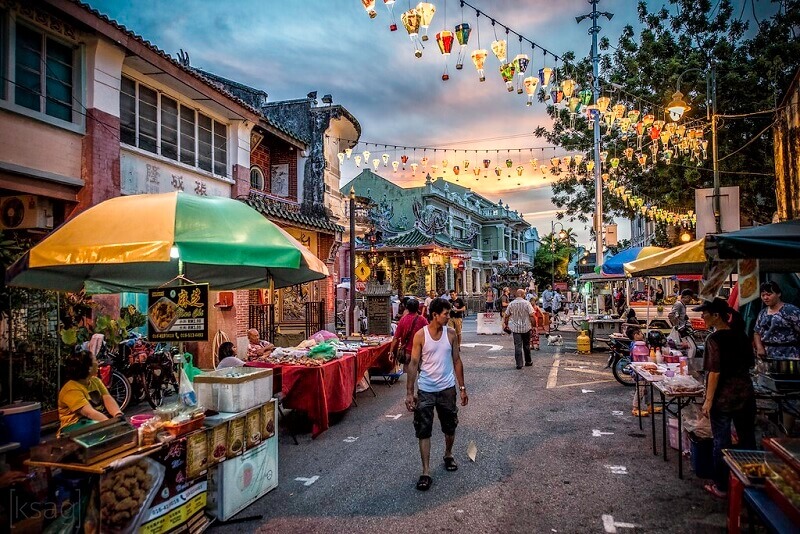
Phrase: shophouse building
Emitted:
{"points": [[438, 236]]}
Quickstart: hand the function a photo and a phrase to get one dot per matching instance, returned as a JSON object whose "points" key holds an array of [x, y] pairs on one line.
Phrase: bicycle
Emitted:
{"points": [[115, 382]]}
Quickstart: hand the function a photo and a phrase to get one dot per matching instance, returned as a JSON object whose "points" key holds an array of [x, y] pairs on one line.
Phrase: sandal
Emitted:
{"points": [[424, 483], [450, 463], [636, 413], [715, 491]]}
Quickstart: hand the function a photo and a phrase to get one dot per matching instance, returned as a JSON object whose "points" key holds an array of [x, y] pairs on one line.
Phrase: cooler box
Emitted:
{"points": [[22, 422], [672, 428], [235, 389]]}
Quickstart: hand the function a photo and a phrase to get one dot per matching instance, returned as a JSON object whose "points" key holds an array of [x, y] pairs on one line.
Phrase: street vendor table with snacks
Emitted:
{"points": [[315, 386], [374, 355]]}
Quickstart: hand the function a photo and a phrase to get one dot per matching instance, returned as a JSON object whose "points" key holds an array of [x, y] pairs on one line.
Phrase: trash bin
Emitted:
{"points": [[702, 456], [22, 422]]}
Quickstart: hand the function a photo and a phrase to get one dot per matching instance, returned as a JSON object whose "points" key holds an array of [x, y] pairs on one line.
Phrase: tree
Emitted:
{"points": [[752, 74], [554, 252]]}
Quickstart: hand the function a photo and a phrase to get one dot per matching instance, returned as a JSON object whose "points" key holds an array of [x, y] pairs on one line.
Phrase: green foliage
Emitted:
{"points": [[754, 68], [554, 252]]}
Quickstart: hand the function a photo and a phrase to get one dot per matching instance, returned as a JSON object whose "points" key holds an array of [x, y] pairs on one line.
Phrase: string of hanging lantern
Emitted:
{"points": [[514, 72]]}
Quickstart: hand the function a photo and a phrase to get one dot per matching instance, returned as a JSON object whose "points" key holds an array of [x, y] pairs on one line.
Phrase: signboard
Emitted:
{"points": [[728, 206], [490, 323], [379, 315], [561, 286], [178, 313], [345, 280], [140, 174], [362, 272], [361, 285]]}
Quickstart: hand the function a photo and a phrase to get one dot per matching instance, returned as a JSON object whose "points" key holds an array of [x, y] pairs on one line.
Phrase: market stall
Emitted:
{"points": [[219, 241]]}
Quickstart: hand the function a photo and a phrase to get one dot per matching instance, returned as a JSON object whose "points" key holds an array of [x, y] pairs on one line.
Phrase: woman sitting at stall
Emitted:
{"points": [[84, 398], [227, 356], [730, 397]]}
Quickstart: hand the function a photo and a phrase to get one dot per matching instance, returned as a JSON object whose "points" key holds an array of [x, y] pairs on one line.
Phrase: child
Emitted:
{"points": [[641, 396]]}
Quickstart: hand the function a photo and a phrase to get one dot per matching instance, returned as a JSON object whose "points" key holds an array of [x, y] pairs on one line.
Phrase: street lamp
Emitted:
{"points": [[686, 236], [352, 260], [678, 106]]}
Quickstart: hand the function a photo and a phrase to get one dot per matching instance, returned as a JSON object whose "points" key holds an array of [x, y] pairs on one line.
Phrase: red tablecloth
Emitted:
{"points": [[376, 357], [317, 391]]}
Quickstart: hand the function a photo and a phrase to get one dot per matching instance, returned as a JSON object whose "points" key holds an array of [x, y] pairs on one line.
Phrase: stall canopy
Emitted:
{"points": [[689, 258], [777, 246], [614, 264], [133, 243]]}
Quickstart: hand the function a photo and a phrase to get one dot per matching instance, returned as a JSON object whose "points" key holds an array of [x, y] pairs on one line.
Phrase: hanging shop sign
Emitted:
{"points": [[178, 313]]}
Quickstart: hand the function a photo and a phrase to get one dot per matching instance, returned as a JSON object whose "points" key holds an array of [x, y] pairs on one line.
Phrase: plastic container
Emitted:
{"points": [[233, 390], [702, 456], [640, 352], [23, 423], [137, 420], [672, 432], [180, 429]]}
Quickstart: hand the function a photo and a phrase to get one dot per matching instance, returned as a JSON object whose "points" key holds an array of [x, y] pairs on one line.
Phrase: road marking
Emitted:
{"points": [[586, 371], [350, 439], [552, 378], [395, 417], [617, 469], [597, 433], [492, 348], [592, 383], [307, 481], [492, 357], [618, 413], [587, 390], [610, 526]]}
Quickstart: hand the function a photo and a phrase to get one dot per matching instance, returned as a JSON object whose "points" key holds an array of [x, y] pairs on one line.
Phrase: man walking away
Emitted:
{"points": [[677, 316], [435, 355], [520, 318], [456, 314]]}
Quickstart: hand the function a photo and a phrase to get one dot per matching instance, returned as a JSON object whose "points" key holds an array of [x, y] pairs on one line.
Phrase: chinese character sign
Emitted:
{"points": [[178, 313]]}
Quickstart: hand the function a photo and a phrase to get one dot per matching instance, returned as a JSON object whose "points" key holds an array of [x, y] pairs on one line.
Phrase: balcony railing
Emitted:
{"points": [[272, 200]]}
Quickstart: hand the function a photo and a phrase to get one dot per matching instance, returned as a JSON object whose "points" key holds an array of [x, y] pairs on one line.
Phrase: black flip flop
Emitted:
{"points": [[424, 483], [450, 463]]}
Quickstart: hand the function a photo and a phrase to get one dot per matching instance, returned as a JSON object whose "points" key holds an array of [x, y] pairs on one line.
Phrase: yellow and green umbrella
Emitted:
{"points": [[133, 243], [684, 259]]}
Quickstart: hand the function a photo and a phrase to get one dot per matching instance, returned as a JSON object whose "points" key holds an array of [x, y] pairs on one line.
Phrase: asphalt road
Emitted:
{"points": [[540, 466]]}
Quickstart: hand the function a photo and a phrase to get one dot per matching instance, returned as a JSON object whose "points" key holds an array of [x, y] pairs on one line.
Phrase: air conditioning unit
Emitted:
{"points": [[25, 212]]}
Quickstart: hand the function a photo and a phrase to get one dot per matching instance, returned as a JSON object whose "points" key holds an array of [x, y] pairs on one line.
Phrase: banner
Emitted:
{"points": [[178, 313], [490, 323], [748, 281]]}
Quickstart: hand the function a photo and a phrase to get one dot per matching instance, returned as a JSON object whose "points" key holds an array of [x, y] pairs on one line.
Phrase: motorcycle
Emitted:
{"points": [[619, 360], [160, 376]]}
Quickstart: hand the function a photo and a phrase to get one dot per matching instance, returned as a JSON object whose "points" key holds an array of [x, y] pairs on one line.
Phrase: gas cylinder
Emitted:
{"points": [[584, 343]]}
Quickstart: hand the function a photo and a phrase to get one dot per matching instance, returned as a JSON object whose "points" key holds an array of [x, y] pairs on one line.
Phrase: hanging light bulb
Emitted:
{"points": [[456, 169], [478, 59], [507, 73], [395, 165], [426, 11], [520, 170], [500, 47], [369, 5], [462, 35], [486, 163], [376, 163], [340, 155], [366, 154], [568, 87], [390, 6], [385, 158], [358, 160], [348, 152], [530, 84]]}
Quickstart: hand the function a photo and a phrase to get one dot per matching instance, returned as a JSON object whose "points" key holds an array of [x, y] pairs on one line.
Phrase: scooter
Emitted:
{"points": [[619, 360]]}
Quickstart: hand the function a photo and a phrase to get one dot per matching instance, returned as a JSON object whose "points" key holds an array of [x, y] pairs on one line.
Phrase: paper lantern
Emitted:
{"points": [[530, 84], [426, 11], [340, 155], [478, 59], [348, 152], [456, 169], [520, 170], [445, 41], [376, 163], [486, 163], [629, 154], [463, 31], [369, 6], [619, 111], [395, 165], [499, 48], [509, 163], [602, 103], [544, 76], [366, 155], [507, 73], [568, 86], [385, 158]]}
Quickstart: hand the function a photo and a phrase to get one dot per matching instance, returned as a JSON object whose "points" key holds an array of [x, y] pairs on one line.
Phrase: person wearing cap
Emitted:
{"points": [[730, 397], [777, 331], [678, 316]]}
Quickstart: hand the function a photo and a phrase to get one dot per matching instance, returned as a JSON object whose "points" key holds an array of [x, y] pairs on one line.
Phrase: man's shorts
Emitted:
{"points": [[445, 403], [455, 323]]}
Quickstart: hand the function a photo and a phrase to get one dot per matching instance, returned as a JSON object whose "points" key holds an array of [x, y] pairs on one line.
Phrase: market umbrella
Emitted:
{"points": [[777, 246], [129, 243], [689, 258], [614, 264]]}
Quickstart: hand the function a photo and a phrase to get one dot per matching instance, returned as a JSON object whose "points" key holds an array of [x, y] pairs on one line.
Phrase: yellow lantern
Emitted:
{"points": [[629, 154], [554, 162], [590, 165], [466, 164], [648, 119], [411, 22], [530, 84], [665, 137], [414, 168], [358, 160], [340, 155], [614, 163], [602, 104], [426, 11], [500, 48], [605, 176], [376, 163], [619, 111], [568, 88], [478, 59], [566, 161], [534, 163], [624, 124], [498, 171], [544, 76], [543, 168], [366, 154], [395, 165], [520, 170], [577, 158], [348, 152]]}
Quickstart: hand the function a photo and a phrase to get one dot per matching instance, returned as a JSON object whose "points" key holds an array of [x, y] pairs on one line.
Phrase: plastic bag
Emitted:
{"points": [[323, 335], [189, 368], [694, 420], [325, 351], [186, 390]]}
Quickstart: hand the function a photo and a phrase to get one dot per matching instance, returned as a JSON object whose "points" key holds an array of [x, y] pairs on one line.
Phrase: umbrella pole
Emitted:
{"points": [[647, 282]]}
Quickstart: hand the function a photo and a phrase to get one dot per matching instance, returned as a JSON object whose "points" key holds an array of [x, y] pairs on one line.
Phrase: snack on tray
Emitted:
{"points": [[755, 470], [162, 313], [122, 495]]}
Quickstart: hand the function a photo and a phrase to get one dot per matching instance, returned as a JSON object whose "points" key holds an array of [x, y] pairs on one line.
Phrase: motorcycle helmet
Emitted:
{"points": [[655, 339]]}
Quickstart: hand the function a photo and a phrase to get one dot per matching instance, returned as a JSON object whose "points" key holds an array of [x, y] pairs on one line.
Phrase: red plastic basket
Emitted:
{"points": [[697, 324]]}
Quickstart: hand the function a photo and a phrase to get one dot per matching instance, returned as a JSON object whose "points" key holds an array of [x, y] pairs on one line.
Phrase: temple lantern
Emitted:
{"points": [[556, 96], [499, 48], [543, 168], [530, 84], [566, 161], [602, 103], [462, 36], [478, 59], [619, 111], [426, 11], [665, 138], [445, 41], [642, 159], [554, 162], [568, 86]]}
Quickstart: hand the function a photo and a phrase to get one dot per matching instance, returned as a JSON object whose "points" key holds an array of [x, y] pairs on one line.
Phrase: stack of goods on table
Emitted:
{"points": [[783, 478], [320, 348]]}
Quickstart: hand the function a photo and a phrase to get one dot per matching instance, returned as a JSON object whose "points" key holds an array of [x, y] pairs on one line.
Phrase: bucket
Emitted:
{"points": [[23, 423], [702, 456]]}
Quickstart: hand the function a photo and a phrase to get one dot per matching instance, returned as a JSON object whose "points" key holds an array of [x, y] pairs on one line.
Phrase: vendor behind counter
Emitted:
{"points": [[84, 398]]}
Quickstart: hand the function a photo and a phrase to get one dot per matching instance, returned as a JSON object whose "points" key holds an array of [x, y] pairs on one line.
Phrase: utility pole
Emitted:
{"points": [[714, 153], [598, 182], [352, 311]]}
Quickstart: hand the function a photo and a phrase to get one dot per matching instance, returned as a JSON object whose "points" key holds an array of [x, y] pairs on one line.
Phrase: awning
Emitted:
{"points": [[613, 265], [777, 246], [689, 258]]}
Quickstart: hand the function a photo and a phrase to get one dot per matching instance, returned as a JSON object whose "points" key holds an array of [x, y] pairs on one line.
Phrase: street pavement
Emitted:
{"points": [[558, 451]]}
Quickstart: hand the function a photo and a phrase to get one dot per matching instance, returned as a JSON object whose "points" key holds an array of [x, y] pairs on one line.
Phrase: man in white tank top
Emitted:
{"points": [[435, 355]]}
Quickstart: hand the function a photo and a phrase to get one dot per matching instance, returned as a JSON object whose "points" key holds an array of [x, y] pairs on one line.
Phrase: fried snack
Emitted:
{"points": [[162, 314], [747, 267], [122, 493], [749, 286], [755, 470]]}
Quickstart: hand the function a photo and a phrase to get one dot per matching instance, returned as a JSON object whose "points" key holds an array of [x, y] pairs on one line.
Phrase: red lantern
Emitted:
{"points": [[445, 41]]}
